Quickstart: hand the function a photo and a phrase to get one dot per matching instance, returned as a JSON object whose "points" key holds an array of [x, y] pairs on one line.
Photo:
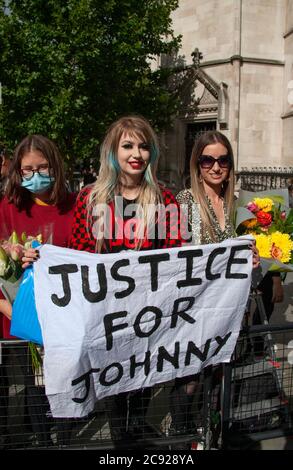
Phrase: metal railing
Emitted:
{"points": [[236, 404], [26, 421], [258, 388], [263, 178]]}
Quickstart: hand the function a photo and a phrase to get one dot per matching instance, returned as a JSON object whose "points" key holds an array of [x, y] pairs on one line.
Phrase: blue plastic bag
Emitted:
{"points": [[25, 323]]}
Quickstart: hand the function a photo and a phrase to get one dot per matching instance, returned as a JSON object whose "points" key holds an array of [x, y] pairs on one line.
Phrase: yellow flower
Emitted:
{"points": [[277, 245], [264, 203], [263, 244], [250, 223], [282, 245]]}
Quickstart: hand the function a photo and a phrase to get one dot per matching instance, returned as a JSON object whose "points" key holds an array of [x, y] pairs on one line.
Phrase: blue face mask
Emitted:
{"points": [[38, 184]]}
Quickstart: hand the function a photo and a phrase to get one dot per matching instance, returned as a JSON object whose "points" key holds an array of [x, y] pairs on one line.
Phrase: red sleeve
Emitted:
{"points": [[5, 219], [81, 238], [4, 324], [173, 234]]}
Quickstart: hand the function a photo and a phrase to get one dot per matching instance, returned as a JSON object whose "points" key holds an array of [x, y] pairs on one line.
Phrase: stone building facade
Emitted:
{"points": [[236, 76]]}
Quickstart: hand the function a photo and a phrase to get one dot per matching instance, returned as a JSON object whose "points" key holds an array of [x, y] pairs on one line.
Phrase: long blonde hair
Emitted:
{"points": [[107, 185], [197, 189]]}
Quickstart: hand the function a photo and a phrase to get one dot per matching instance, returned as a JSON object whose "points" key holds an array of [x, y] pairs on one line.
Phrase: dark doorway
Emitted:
{"points": [[193, 132]]}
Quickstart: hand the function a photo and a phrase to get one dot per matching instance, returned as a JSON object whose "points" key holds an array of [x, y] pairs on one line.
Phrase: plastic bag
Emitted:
{"points": [[25, 323]]}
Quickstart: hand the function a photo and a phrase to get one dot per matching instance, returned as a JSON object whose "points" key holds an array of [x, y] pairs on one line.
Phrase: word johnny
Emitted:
{"points": [[120, 322]]}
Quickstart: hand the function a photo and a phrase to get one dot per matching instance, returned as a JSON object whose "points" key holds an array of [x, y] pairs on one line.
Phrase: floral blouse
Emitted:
{"points": [[199, 236]]}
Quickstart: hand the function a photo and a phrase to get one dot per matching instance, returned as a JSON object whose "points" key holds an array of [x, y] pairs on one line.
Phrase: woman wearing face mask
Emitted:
{"points": [[36, 202], [36, 198]]}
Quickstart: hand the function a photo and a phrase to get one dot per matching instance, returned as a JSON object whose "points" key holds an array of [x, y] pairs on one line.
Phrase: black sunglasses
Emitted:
{"points": [[207, 162]]}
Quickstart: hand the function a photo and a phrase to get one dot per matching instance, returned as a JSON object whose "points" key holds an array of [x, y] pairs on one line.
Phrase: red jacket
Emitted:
{"points": [[84, 240], [53, 222]]}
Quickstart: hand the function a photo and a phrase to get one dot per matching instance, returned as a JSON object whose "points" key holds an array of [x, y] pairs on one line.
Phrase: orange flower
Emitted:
{"points": [[276, 252], [250, 223]]}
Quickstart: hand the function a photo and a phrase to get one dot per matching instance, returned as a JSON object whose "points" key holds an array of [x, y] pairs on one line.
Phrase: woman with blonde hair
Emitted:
{"points": [[210, 200], [209, 205], [104, 223], [128, 165]]}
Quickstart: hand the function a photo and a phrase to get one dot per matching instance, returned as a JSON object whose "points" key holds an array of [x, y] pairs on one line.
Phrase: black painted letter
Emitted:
{"points": [[86, 378], [209, 275], [88, 294], [103, 375], [110, 328], [164, 355], [146, 363], [221, 342], [233, 260], [182, 313], [64, 270], [154, 261], [136, 326], [118, 277], [189, 255], [193, 349]]}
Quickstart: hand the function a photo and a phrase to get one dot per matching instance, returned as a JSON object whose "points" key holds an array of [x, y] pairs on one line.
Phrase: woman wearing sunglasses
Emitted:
{"points": [[210, 199], [209, 204]]}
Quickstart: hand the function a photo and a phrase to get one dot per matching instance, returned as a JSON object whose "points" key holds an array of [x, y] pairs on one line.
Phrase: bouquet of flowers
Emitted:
{"points": [[11, 252], [267, 218]]}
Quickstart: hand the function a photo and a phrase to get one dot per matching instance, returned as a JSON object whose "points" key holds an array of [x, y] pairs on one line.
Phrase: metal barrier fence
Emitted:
{"points": [[263, 178], [258, 387], [257, 399], [134, 420], [228, 406]]}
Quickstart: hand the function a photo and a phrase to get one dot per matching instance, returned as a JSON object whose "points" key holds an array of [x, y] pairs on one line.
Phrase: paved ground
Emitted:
{"points": [[283, 313], [282, 443]]}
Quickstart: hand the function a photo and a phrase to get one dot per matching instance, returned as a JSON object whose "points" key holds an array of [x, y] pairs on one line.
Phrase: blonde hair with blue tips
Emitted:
{"points": [[107, 185]]}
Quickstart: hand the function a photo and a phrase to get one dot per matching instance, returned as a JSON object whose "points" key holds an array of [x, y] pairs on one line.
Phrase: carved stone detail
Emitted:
{"points": [[199, 93]]}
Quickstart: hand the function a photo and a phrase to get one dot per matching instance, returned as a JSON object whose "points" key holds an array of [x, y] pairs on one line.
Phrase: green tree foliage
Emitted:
{"points": [[70, 67]]}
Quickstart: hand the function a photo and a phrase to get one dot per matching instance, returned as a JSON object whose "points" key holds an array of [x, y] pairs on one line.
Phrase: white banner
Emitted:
{"points": [[124, 321]]}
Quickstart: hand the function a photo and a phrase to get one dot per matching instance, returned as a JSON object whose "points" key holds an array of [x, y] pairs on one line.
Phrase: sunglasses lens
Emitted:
{"points": [[206, 162], [224, 161]]}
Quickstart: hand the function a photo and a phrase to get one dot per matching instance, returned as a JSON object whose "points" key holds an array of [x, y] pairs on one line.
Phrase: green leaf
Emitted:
{"points": [[68, 69], [37, 361]]}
